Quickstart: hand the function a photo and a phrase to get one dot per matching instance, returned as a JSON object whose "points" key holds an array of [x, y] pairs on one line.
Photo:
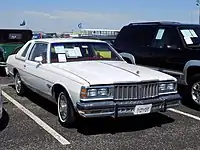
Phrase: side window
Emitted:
{"points": [[25, 50], [135, 36], [167, 38], [39, 49]]}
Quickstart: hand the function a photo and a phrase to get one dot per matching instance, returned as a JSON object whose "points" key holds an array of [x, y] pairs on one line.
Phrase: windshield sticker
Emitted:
{"points": [[188, 40], [186, 33], [193, 33], [59, 49], [73, 52], [62, 58], [160, 34]]}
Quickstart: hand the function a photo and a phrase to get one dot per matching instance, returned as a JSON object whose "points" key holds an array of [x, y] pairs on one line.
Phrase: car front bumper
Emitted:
{"points": [[2, 64], [111, 108]]}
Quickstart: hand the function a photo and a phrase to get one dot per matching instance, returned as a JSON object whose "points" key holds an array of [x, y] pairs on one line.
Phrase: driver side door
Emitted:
{"points": [[37, 75]]}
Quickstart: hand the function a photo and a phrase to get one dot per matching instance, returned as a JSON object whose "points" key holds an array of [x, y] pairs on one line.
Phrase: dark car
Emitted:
{"points": [[170, 47], [10, 39]]}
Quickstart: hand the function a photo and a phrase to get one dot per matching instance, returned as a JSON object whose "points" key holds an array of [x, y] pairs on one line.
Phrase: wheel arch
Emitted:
{"points": [[59, 86], [191, 68]]}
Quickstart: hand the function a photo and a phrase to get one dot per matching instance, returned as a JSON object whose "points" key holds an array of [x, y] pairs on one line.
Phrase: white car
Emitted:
{"points": [[89, 78], [1, 108]]}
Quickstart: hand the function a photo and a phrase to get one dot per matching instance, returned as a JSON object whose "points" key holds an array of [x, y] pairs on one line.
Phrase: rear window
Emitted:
{"points": [[15, 36]]}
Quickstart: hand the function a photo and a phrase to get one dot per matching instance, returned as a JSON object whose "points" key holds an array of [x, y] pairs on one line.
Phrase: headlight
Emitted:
{"points": [[96, 92], [167, 87]]}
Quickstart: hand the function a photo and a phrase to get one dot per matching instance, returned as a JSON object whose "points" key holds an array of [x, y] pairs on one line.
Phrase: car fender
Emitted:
{"points": [[67, 90], [129, 56], [191, 63]]}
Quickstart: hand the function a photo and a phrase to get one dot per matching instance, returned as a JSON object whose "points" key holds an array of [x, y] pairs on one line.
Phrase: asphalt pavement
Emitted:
{"points": [[31, 123]]}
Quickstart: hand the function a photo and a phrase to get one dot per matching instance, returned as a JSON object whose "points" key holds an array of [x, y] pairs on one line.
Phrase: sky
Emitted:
{"points": [[65, 15]]}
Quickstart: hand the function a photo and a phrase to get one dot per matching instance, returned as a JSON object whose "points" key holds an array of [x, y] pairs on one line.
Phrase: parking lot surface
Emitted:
{"points": [[170, 130]]}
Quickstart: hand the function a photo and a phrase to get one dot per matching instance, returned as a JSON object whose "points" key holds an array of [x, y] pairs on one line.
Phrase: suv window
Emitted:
{"points": [[167, 38], [135, 36], [39, 49], [25, 50]]}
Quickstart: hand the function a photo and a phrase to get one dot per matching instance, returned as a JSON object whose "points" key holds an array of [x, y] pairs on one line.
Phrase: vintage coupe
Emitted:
{"points": [[89, 78]]}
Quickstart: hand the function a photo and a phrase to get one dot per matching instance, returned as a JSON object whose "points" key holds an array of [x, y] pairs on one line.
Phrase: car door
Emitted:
{"points": [[21, 56], [136, 41], [167, 48], [36, 72]]}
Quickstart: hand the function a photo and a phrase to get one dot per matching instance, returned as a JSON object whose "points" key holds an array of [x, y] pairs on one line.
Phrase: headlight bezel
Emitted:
{"points": [[85, 89], [166, 84]]}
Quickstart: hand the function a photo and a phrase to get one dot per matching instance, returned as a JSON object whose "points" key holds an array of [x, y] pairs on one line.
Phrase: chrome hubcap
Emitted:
{"points": [[196, 92], [62, 107], [18, 83]]}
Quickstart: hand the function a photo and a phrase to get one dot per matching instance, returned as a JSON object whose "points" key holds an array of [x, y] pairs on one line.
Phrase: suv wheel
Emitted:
{"points": [[194, 89], [66, 112], [19, 86]]}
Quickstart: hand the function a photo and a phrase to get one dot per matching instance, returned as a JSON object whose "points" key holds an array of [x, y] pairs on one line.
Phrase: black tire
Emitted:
{"points": [[69, 119], [19, 86], [192, 82]]}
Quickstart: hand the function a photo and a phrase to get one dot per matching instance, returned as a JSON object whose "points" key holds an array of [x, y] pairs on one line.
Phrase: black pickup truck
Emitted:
{"points": [[170, 47]]}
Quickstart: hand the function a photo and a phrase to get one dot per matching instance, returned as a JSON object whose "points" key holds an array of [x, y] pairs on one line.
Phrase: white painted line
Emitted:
{"points": [[183, 113], [41, 123]]}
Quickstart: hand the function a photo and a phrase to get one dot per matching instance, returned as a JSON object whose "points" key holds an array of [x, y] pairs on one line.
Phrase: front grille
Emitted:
{"points": [[135, 91]]}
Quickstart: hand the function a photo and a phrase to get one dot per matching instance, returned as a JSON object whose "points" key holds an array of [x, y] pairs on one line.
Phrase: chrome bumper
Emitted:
{"points": [[3, 64], [115, 109]]}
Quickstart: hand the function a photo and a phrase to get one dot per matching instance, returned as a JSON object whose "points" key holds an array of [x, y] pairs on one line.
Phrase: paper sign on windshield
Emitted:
{"points": [[186, 33], [188, 40], [193, 33], [73, 52], [62, 58], [59, 49], [160, 34]]}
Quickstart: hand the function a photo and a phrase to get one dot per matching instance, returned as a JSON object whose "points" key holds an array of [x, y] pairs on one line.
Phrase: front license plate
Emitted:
{"points": [[142, 109]]}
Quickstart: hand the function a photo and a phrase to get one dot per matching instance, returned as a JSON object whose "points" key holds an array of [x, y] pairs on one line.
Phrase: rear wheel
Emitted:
{"points": [[19, 86], [66, 112]]}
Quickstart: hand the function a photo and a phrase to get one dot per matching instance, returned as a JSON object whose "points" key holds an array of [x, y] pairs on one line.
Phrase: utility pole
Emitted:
{"points": [[198, 5]]}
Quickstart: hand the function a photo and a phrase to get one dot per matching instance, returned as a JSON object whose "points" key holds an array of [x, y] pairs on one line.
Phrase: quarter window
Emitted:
{"points": [[25, 50], [39, 49]]}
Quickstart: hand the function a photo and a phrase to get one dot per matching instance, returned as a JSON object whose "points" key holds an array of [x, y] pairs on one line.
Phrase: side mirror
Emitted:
{"points": [[38, 59], [129, 58]]}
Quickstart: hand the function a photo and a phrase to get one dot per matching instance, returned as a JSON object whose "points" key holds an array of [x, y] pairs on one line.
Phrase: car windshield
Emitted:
{"points": [[82, 51], [191, 36]]}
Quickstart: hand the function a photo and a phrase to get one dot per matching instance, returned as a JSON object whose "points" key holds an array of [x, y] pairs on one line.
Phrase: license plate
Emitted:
{"points": [[142, 109]]}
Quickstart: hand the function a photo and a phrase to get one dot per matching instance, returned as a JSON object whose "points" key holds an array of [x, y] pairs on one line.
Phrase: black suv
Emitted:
{"points": [[170, 47]]}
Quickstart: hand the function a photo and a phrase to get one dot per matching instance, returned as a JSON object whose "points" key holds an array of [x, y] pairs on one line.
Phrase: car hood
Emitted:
{"points": [[111, 72]]}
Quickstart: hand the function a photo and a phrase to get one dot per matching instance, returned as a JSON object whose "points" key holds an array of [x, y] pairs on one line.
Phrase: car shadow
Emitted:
{"points": [[40, 101], [4, 120], [94, 126], [125, 124]]}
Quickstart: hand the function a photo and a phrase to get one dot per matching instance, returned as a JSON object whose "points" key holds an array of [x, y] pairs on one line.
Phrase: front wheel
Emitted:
{"points": [[19, 86], [194, 89], [66, 112]]}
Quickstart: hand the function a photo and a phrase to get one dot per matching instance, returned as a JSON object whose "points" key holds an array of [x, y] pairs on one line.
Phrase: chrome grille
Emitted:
{"points": [[135, 91]]}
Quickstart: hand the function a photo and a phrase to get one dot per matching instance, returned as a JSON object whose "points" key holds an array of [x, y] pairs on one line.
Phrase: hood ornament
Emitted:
{"points": [[138, 72]]}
